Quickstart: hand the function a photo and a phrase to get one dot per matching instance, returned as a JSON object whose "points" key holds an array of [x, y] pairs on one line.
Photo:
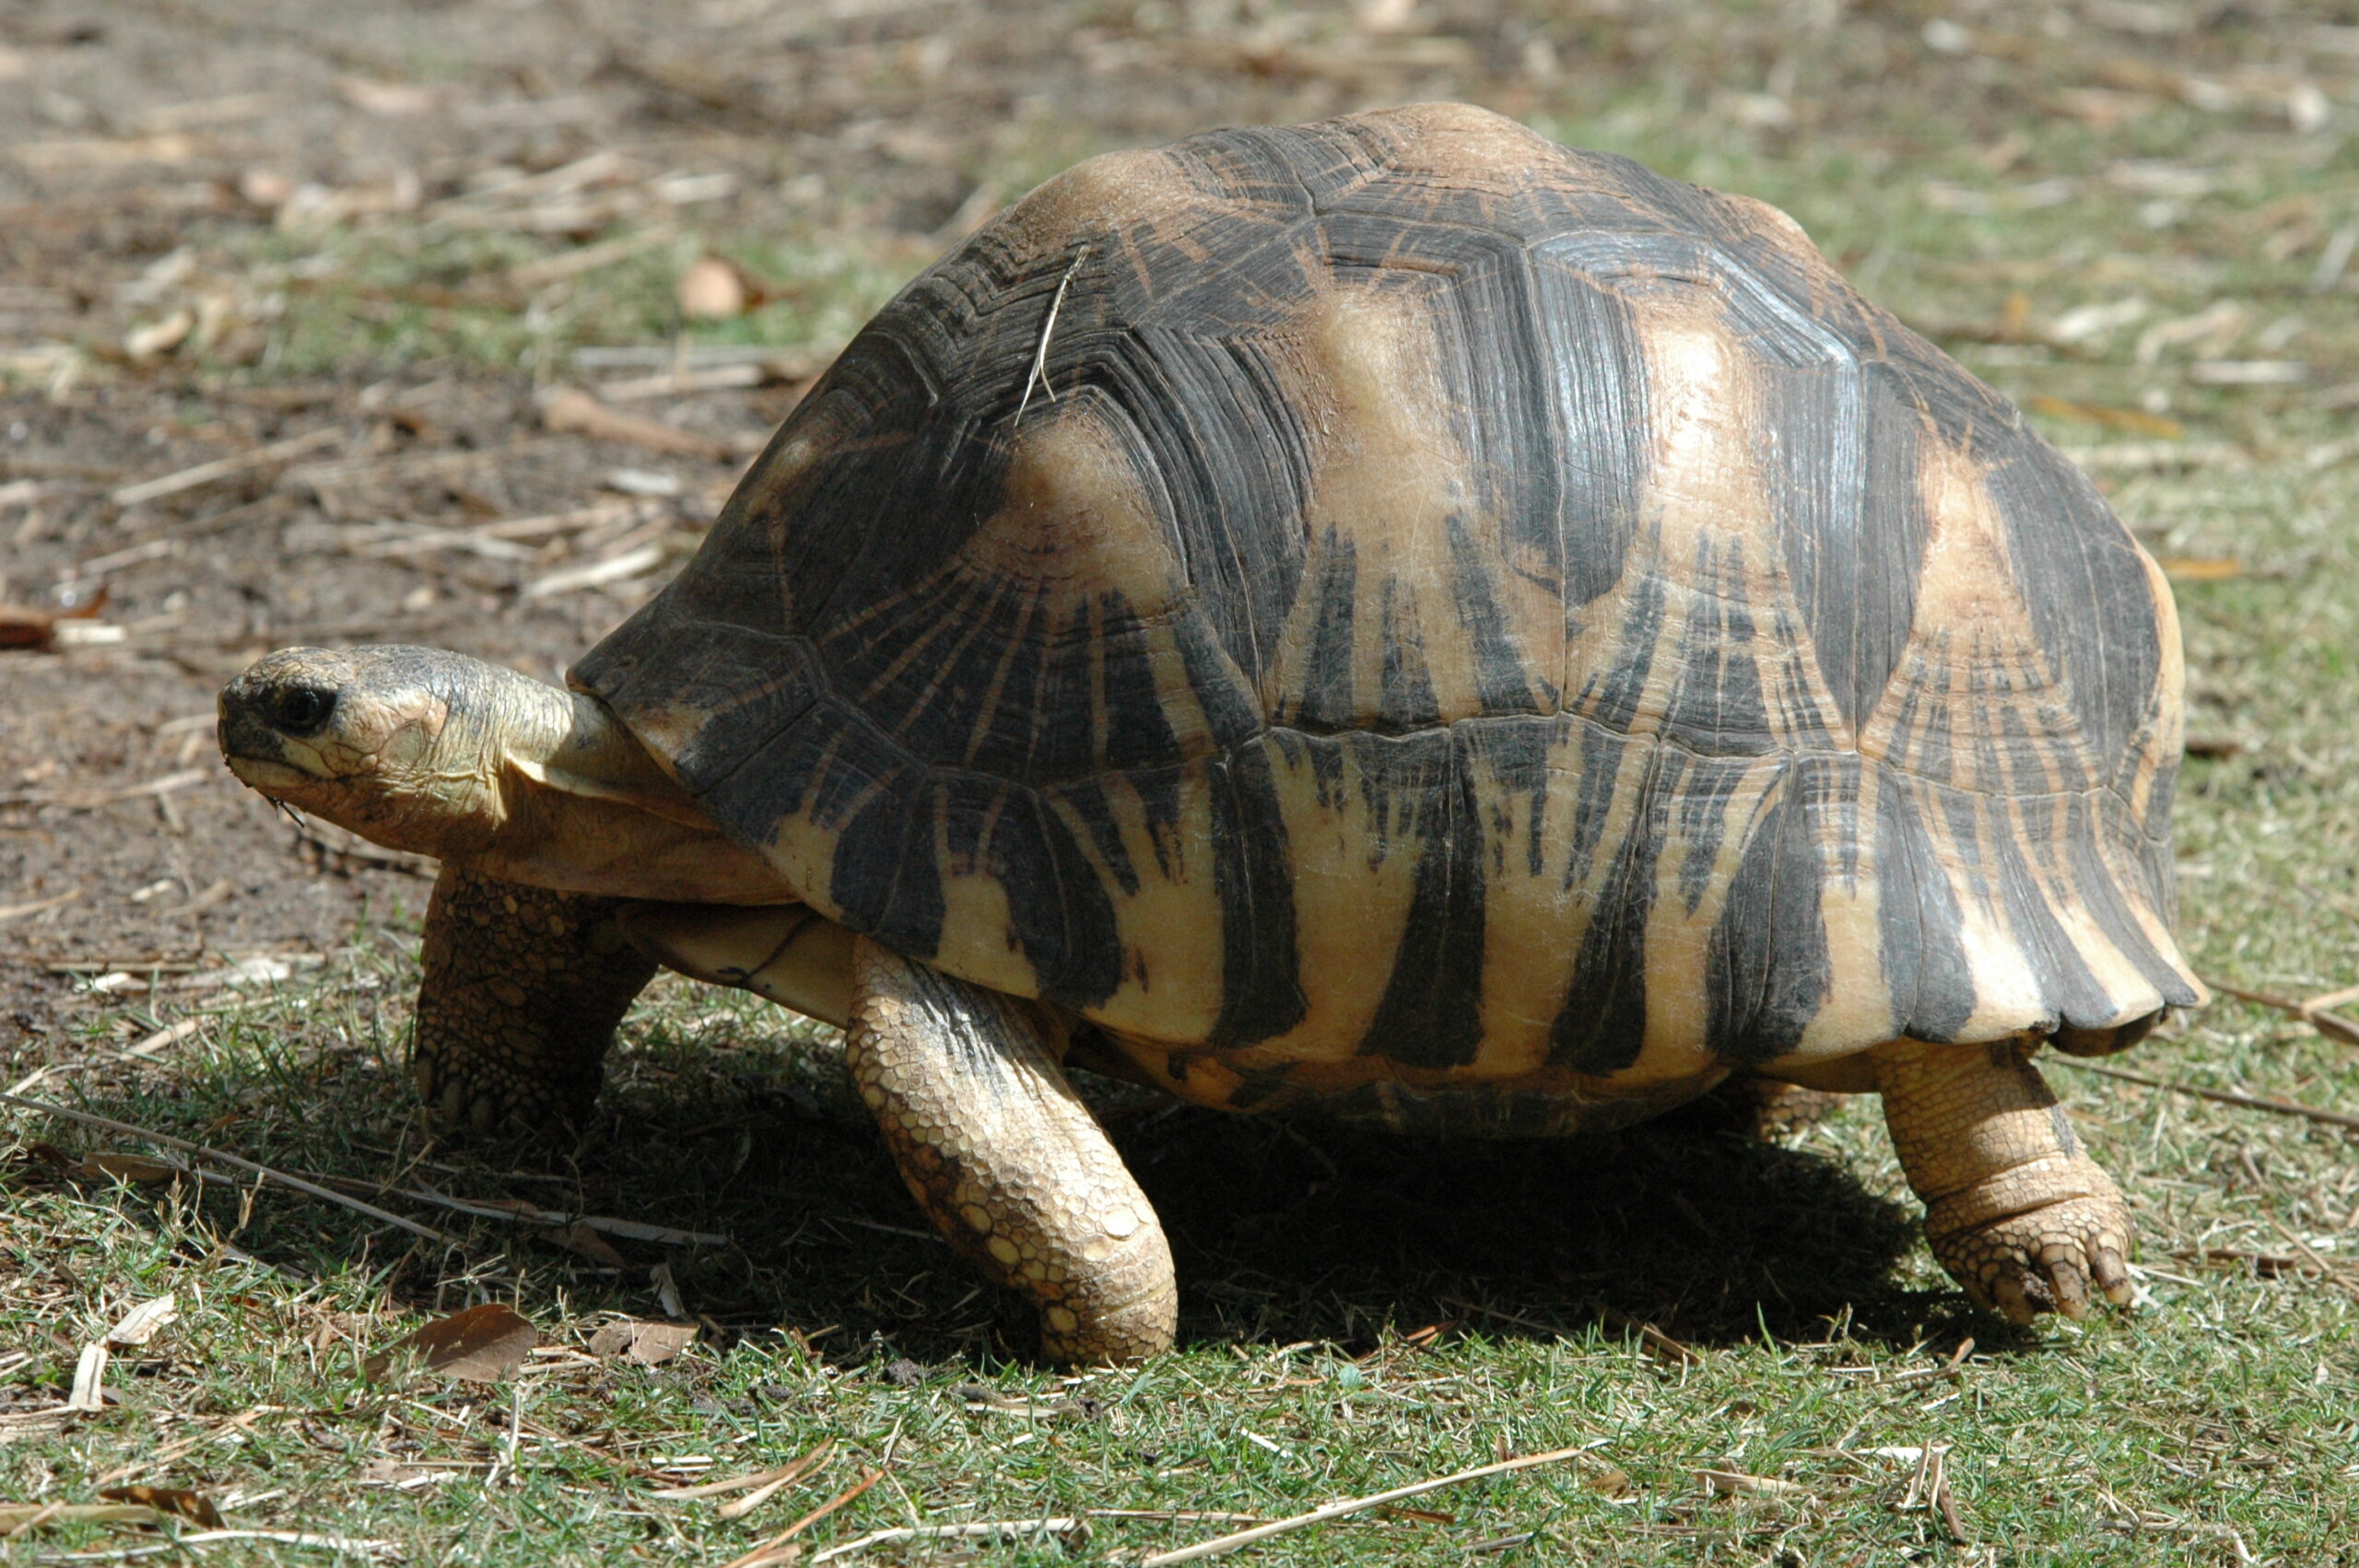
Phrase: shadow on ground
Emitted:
{"points": [[1281, 1233]]}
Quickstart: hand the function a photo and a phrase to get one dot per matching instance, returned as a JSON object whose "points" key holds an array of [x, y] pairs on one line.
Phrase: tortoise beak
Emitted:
{"points": [[268, 714]]}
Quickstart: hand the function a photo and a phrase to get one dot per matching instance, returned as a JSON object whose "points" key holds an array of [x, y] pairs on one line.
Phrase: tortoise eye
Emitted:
{"points": [[301, 711]]}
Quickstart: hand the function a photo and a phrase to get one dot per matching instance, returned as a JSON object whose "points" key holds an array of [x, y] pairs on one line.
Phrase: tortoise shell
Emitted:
{"points": [[1373, 610]]}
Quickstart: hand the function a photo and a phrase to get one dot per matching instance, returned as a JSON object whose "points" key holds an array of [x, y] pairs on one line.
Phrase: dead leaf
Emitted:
{"points": [[140, 1325], [647, 1343], [88, 1395], [34, 629], [194, 1506], [1610, 1482], [580, 1238], [265, 188], [712, 289], [483, 1344], [389, 101], [108, 1166], [159, 338], [1737, 1483]]}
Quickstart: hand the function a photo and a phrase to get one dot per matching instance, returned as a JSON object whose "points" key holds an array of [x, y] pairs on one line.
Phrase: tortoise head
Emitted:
{"points": [[403, 745]]}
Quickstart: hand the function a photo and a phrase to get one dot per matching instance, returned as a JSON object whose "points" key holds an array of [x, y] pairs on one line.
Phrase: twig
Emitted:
{"points": [[291, 1538], [523, 1214], [569, 410], [1038, 373], [1945, 1501], [1062, 1524], [589, 258], [203, 1152], [760, 1481], [18, 912], [2224, 1096], [768, 1551], [1220, 1546], [221, 468], [2339, 1278], [597, 574], [2312, 1013]]}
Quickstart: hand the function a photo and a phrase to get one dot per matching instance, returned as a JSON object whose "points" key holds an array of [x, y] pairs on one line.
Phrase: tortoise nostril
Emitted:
{"points": [[300, 710]]}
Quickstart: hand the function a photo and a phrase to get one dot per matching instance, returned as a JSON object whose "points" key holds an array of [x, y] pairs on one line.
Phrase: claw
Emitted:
{"points": [[2062, 1267], [2113, 1276]]}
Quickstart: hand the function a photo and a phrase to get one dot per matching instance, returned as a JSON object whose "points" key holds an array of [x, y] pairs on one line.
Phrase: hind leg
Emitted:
{"points": [[522, 992], [2015, 1210]]}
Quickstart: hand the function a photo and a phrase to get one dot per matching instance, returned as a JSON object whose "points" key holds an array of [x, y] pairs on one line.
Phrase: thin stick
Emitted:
{"points": [[1037, 375], [778, 1482], [1221, 1546], [1051, 1526], [221, 468], [203, 1152], [2225, 1097], [747, 1483], [2312, 1013], [766, 1552], [630, 1230]]}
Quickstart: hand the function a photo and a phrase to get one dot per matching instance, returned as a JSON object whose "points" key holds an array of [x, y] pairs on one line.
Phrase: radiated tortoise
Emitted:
{"points": [[1390, 620]]}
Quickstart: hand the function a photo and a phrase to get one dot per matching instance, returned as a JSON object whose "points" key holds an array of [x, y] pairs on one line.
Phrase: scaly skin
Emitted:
{"points": [[522, 992], [2016, 1213], [1005, 1159]]}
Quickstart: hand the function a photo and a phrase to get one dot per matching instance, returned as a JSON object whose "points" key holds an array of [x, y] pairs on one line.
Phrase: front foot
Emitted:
{"points": [[522, 991], [1006, 1161], [2056, 1257], [2017, 1212]]}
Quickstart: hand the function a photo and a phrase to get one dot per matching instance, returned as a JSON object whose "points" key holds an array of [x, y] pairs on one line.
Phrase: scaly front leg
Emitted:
{"points": [[2014, 1209], [522, 992], [1005, 1159]]}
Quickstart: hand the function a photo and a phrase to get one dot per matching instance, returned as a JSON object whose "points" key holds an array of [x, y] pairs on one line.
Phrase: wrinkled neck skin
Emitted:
{"points": [[480, 767], [575, 802]]}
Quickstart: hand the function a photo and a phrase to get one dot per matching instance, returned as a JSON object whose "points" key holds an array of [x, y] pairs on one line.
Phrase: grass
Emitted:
{"points": [[1357, 1313]]}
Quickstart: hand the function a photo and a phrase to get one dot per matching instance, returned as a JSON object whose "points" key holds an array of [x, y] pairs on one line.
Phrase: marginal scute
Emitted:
{"points": [[1393, 615]]}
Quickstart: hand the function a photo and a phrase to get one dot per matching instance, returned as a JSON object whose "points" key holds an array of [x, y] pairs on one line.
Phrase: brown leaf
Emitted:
{"points": [[580, 1238], [386, 99], [483, 1344], [106, 1166], [648, 1344], [712, 289], [20, 627], [194, 1506]]}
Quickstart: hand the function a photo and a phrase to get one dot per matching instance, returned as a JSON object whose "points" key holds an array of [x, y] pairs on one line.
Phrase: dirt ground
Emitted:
{"points": [[166, 167]]}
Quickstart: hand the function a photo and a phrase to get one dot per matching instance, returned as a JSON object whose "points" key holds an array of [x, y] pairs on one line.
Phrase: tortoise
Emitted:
{"points": [[1390, 620]]}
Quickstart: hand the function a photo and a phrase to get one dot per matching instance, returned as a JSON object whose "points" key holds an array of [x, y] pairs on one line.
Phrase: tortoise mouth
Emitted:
{"points": [[271, 776]]}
